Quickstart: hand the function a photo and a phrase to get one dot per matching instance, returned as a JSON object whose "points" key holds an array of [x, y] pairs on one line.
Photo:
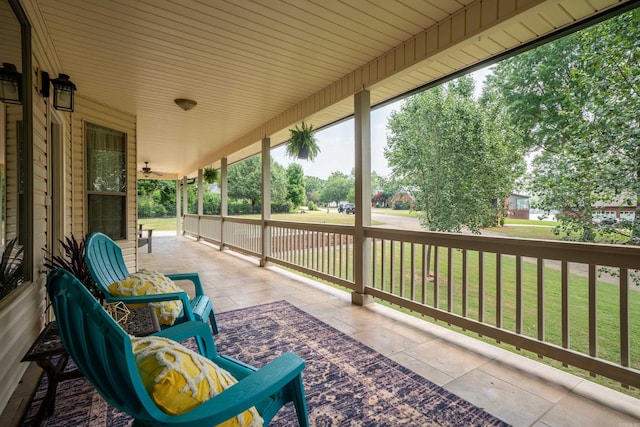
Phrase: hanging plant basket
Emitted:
{"points": [[210, 175], [302, 143]]}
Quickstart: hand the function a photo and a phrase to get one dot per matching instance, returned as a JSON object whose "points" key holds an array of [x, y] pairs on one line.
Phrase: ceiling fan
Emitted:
{"points": [[146, 171]]}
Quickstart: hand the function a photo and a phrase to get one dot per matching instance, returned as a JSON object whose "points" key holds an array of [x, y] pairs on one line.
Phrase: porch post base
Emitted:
{"points": [[264, 263], [361, 299]]}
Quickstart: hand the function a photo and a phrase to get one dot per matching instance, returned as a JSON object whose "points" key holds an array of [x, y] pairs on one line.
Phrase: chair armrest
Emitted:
{"points": [[192, 277], [191, 329], [249, 391], [145, 299]]}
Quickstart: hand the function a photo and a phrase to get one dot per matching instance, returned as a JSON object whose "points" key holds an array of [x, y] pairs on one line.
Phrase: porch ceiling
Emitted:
{"points": [[247, 61]]}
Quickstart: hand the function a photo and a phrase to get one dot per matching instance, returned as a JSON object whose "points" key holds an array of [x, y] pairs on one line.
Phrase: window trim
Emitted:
{"points": [[87, 192]]}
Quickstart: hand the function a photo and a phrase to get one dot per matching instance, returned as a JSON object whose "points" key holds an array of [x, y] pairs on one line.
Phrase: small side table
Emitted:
{"points": [[145, 240], [141, 322]]}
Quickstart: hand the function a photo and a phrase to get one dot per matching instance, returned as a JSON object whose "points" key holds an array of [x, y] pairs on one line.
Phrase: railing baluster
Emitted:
{"points": [[325, 253], [340, 257], [413, 271], [593, 312], [347, 263], [624, 317], [449, 279], [465, 284], [565, 305], [391, 265], [436, 270], [499, 290], [373, 261], [383, 261], [541, 322], [334, 254], [425, 273], [307, 244], [518, 294], [401, 268], [480, 286]]}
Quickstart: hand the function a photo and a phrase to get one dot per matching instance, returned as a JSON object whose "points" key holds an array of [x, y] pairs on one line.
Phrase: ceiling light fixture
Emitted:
{"points": [[185, 104]]}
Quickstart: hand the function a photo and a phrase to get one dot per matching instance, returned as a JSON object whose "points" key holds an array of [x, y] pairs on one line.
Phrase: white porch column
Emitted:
{"points": [[178, 207], [224, 210], [200, 193], [361, 245], [185, 200], [200, 200], [266, 200]]}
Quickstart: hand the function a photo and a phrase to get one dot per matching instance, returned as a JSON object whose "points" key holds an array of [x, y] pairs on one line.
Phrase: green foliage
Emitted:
{"points": [[312, 206], [156, 198], [301, 143], [576, 101], [295, 185], [245, 180], [313, 188], [337, 188], [211, 203], [11, 268], [73, 261], [455, 156]]}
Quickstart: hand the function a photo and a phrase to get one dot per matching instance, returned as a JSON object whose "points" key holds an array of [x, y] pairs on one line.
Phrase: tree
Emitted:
{"points": [[295, 185], [245, 181], [575, 100], [456, 162], [336, 188], [313, 187]]}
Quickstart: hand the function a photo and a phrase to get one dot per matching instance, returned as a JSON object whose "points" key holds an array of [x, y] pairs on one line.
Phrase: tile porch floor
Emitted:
{"points": [[520, 391]]}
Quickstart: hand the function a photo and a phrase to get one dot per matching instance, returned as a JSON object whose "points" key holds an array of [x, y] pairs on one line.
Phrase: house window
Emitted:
{"points": [[106, 181], [16, 155]]}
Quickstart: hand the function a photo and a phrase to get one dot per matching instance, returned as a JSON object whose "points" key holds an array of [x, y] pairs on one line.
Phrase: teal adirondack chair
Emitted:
{"points": [[106, 265], [103, 352]]}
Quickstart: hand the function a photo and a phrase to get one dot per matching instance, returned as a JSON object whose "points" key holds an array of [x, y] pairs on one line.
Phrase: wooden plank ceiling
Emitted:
{"points": [[247, 61]]}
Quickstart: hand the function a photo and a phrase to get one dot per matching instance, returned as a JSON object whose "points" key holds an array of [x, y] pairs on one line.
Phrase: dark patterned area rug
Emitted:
{"points": [[346, 383]]}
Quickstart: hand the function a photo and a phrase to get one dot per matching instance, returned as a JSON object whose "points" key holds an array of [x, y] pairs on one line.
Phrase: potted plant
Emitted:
{"points": [[73, 261], [301, 143], [11, 268], [210, 175]]}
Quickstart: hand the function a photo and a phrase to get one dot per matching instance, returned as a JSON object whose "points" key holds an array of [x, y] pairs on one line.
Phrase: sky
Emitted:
{"points": [[337, 151]]}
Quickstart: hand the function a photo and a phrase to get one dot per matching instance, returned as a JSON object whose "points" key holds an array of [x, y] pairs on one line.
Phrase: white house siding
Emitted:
{"points": [[22, 314]]}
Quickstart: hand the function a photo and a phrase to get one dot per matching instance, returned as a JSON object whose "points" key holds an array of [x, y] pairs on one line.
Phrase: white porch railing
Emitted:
{"points": [[548, 297]]}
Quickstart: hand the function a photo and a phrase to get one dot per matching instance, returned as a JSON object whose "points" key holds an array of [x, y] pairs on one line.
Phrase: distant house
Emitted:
{"points": [[402, 201], [519, 206], [620, 209]]}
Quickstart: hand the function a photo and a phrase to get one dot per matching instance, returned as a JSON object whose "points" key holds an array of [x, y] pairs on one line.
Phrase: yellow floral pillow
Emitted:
{"points": [[147, 282], [179, 379]]}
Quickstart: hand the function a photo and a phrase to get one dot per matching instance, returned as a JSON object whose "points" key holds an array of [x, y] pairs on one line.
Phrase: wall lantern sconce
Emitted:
{"points": [[10, 84], [63, 89]]}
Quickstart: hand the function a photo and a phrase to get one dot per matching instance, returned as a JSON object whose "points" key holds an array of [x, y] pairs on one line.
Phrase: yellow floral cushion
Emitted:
{"points": [[179, 379], [147, 282]]}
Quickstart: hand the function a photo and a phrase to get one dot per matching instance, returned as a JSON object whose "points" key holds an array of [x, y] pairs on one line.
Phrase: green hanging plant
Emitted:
{"points": [[301, 143], [210, 175]]}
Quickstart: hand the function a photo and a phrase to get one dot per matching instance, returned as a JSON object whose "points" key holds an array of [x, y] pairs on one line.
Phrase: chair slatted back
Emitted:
{"points": [[105, 261], [98, 345]]}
